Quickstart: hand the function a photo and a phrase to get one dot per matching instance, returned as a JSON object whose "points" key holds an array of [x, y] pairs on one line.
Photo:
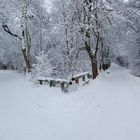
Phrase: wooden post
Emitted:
{"points": [[51, 83], [100, 67], [41, 82], [104, 67], [62, 86], [83, 78], [89, 76], [77, 81]]}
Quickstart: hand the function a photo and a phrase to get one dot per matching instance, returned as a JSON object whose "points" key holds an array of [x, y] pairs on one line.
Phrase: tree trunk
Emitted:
{"points": [[94, 68], [26, 38], [93, 60], [27, 61]]}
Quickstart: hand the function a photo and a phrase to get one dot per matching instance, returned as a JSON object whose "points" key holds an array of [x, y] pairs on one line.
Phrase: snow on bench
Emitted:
{"points": [[50, 79], [63, 83], [82, 76]]}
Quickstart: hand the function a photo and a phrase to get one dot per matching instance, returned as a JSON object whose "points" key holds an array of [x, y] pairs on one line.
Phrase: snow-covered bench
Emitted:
{"points": [[54, 82], [66, 84], [84, 77]]}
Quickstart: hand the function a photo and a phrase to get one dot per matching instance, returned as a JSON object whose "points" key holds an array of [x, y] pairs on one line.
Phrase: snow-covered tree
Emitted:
{"points": [[43, 66]]}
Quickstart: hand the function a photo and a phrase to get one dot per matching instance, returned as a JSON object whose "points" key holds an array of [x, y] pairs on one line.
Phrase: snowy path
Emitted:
{"points": [[107, 109]]}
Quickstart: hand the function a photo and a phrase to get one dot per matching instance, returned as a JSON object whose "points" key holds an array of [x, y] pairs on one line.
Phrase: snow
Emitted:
{"points": [[52, 79], [43, 78], [81, 74], [106, 109]]}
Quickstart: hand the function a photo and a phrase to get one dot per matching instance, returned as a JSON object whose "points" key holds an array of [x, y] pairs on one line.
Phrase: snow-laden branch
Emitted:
{"points": [[7, 30]]}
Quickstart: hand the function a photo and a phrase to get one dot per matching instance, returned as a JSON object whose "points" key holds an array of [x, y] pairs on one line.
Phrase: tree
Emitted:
{"points": [[43, 67]]}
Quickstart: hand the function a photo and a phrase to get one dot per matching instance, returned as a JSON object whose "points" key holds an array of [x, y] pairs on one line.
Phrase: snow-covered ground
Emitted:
{"points": [[106, 109]]}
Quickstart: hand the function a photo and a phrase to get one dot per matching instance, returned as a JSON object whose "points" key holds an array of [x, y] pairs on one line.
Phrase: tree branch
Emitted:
{"points": [[7, 30]]}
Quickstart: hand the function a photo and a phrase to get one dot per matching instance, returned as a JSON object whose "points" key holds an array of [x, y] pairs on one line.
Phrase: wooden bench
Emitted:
{"points": [[64, 84], [81, 76], [53, 82]]}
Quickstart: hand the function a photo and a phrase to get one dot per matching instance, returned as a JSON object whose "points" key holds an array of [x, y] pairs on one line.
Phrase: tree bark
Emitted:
{"points": [[93, 60], [27, 61], [26, 38], [94, 68]]}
